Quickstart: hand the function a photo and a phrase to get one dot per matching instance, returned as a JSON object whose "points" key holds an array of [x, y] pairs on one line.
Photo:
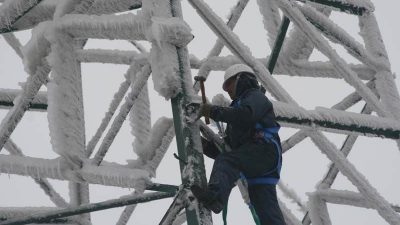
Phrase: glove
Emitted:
{"points": [[205, 110]]}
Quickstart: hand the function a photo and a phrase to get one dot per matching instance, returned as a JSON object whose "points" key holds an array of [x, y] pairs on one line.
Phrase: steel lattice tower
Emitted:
{"points": [[54, 55]]}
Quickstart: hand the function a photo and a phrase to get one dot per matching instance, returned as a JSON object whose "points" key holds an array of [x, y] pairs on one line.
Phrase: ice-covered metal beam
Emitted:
{"points": [[298, 45], [46, 9], [354, 7], [289, 217], [342, 197], [117, 99], [347, 169], [346, 103], [338, 35], [15, 44], [126, 27], [48, 189], [233, 43], [187, 134], [138, 85], [24, 99], [92, 207], [109, 56], [333, 171], [236, 12], [336, 121], [8, 213], [7, 97], [300, 68], [290, 9], [271, 19], [12, 10], [108, 175], [330, 176], [175, 208]]}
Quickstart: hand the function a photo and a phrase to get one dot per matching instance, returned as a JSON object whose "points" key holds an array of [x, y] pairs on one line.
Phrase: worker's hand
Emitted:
{"points": [[205, 110]]}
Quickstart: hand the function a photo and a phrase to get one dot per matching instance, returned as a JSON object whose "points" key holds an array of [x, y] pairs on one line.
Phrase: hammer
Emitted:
{"points": [[203, 93]]}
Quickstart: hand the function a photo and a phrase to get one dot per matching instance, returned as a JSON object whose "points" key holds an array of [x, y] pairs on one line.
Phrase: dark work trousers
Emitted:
{"points": [[253, 160]]}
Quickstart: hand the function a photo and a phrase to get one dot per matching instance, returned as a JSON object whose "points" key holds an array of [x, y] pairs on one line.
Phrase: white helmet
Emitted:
{"points": [[234, 70]]}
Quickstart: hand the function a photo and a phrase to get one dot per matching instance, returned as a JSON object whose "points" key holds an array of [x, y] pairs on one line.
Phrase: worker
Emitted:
{"points": [[252, 134]]}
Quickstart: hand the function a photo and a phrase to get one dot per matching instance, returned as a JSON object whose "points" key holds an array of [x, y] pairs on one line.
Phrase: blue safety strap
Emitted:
{"points": [[269, 136]]}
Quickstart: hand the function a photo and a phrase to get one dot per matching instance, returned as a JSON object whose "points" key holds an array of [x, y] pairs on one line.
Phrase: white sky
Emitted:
{"points": [[304, 165]]}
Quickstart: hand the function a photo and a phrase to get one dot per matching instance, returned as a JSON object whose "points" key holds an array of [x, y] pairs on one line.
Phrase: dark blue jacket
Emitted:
{"points": [[250, 107]]}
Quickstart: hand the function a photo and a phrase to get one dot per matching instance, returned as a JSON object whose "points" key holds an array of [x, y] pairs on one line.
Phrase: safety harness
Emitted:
{"points": [[267, 135]]}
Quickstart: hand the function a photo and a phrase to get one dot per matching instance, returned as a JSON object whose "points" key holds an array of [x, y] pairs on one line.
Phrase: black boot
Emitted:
{"points": [[209, 200]]}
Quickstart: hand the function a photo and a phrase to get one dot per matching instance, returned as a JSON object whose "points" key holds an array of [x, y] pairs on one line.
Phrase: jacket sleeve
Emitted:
{"points": [[241, 116], [252, 108]]}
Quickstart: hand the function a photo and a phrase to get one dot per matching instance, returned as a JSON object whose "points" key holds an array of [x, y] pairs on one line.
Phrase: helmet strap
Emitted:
{"points": [[236, 82]]}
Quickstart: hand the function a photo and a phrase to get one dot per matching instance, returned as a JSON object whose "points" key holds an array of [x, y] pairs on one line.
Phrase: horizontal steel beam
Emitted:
{"points": [[108, 175], [7, 213], [301, 68], [336, 121], [347, 198], [45, 11], [324, 120], [56, 214]]}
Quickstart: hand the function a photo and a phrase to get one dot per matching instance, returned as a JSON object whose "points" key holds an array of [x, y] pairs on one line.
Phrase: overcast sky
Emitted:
{"points": [[304, 165]]}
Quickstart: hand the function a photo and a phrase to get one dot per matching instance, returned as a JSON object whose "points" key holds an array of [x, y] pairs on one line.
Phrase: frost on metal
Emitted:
{"points": [[60, 27]]}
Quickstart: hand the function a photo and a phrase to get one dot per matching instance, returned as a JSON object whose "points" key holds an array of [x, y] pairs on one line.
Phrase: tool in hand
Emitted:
{"points": [[203, 93]]}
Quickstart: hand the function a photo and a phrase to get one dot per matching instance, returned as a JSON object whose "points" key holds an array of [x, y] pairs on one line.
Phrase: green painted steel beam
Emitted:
{"points": [[163, 188], [392, 134], [273, 58], [186, 133], [278, 44], [340, 5], [54, 221], [56, 214], [32, 106]]}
